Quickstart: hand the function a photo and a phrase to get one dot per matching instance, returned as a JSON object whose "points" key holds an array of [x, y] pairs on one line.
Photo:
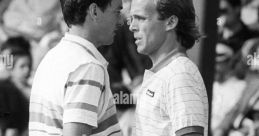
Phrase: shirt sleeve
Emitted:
{"points": [[185, 104], [82, 94]]}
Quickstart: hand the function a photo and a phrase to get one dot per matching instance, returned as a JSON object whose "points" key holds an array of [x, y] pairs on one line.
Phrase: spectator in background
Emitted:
{"points": [[12, 44], [243, 116], [223, 57], [250, 13], [227, 88], [3, 6], [31, 18], [231, 28], [39, 21], [15, 90]]}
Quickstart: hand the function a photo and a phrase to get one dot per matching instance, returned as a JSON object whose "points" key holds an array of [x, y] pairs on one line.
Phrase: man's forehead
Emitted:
{"points": [[143, 6]]}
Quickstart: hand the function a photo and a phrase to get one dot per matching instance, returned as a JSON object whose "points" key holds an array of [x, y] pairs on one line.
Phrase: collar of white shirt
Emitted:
{"points": [[88, 45], [167, 59]]}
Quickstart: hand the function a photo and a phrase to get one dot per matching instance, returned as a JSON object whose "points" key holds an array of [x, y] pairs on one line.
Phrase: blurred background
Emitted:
{"points": [[227, 56]]}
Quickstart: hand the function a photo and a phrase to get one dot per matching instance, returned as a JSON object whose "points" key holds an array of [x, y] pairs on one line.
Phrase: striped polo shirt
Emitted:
{"points": [[71, 84], [172, 100]]}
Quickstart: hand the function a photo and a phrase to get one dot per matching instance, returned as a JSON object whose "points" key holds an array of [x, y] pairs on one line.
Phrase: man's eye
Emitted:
{"points": [[139, 18], [129, 20]]}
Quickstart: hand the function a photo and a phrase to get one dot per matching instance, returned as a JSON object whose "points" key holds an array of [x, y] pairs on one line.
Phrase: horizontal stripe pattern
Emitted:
{"points": [[41, 118], [85, 82], [40, 126], [76, 93], [111, 110], [82, 106], [102, 126], [40, 102], [179, 101], [42, 132]]}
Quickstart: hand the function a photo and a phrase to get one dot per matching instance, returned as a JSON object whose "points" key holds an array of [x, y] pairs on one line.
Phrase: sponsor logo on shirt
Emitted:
{"points": [[150, 93]]}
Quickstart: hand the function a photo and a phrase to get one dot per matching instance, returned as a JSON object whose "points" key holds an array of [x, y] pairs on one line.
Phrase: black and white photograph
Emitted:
{"points": [[129, 68]]}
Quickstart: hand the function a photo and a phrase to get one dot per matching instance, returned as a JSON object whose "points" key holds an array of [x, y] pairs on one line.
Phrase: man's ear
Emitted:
{"points": [[171, 22], [92, 11]]}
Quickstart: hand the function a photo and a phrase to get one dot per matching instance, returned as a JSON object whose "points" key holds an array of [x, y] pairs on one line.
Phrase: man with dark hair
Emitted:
{"points": [[71, 93], [172, 99]]}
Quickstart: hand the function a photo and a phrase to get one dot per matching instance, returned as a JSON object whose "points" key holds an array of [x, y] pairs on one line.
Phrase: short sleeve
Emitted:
{"points": [[82, 94], [185, 104]]}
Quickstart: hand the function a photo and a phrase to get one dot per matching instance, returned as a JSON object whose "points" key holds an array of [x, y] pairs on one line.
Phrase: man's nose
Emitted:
{"points": [[133, 26]]}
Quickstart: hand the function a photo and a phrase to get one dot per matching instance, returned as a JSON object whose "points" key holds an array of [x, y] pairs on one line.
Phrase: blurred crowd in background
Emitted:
{"points": [[235, 105], [30, 28]]}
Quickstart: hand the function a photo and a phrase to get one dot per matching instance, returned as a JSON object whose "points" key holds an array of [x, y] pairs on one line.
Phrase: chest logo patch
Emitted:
{"points": [[150, 93]]}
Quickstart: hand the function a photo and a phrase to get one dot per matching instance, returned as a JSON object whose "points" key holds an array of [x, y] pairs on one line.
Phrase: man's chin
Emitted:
{"points": [[141, 51]]}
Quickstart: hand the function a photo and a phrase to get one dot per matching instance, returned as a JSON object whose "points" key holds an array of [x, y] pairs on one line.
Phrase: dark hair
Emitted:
{"points": [[234, 3], [186, 29], [14, 43], [17, 47], [75, 11]]}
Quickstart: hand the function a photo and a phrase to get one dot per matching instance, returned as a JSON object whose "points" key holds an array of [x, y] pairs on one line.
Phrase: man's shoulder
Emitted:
{"points": [[181, 72], [66, 53], [181, 65]]}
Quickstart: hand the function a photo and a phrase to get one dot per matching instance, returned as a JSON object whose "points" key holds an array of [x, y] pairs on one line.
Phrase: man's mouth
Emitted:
{"points": [[137, 40]]}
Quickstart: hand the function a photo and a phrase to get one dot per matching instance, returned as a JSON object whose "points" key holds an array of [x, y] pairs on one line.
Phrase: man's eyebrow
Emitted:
{"points": [[138, 16]]}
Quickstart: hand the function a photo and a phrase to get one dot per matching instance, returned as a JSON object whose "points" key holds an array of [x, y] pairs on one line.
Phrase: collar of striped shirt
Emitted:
{"points": [[87, 45]]}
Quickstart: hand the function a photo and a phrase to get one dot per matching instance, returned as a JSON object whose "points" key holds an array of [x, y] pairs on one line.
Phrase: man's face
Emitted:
{"points": [[110, 19], [149, 31]]}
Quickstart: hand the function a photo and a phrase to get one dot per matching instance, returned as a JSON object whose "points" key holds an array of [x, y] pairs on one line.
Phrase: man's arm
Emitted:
{"points": [[186, 104], [76, 129]]}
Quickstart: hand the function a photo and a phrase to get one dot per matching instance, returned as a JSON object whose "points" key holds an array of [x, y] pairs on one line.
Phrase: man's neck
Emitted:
{"points": [[169, 45], [84, 33], [165, 60]]}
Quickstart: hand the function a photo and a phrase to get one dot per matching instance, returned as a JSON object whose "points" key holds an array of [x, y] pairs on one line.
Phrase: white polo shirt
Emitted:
{"points": [[172, 100], [71, 84]]}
